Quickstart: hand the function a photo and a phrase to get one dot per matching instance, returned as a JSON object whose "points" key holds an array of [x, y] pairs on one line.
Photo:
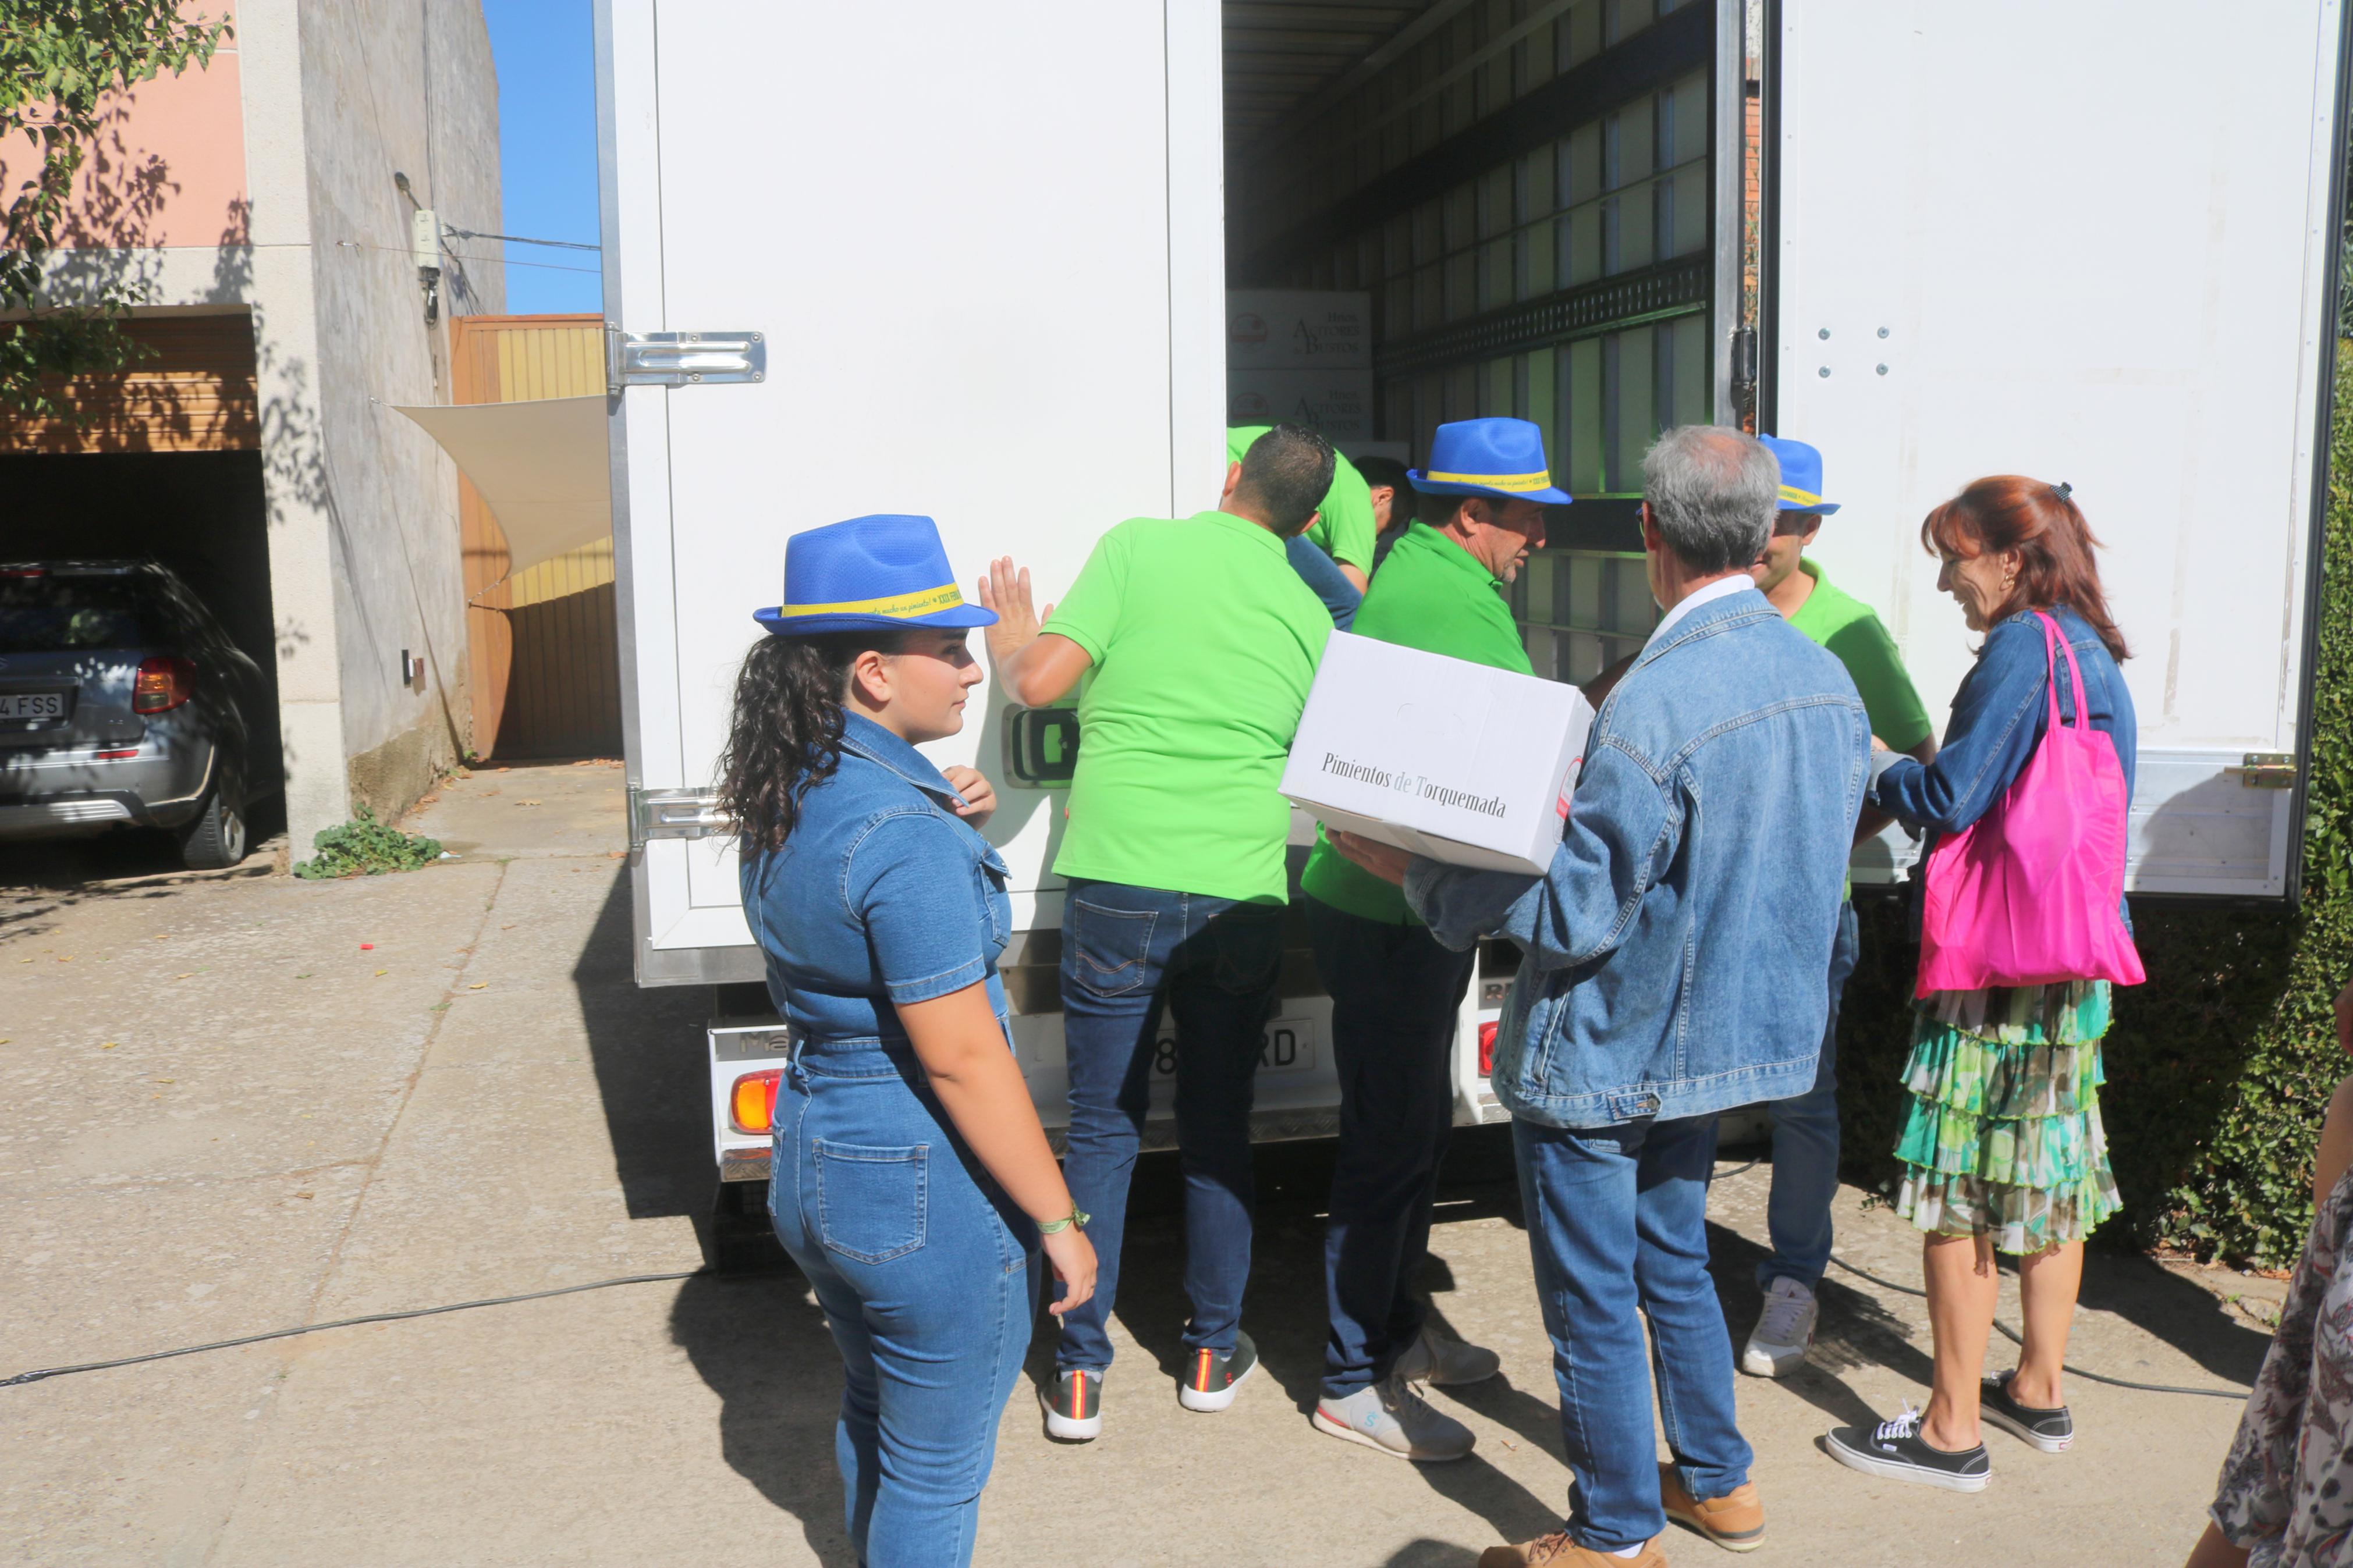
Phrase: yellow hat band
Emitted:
{"points": [[1539, 480], [898, 607], [1803, 498]]}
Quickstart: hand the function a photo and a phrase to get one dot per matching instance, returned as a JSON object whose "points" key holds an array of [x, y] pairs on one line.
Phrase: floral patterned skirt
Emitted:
{"points": [[2003, 1139]]}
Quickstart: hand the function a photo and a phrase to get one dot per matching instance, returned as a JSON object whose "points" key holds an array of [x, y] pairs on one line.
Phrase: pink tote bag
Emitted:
{"points": [[2028, 894]]}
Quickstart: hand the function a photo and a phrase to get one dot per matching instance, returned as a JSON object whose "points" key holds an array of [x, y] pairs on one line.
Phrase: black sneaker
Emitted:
{"points": [[1074, 1403], [1211, 1379], [2049, 1430], [1893, 1449]]}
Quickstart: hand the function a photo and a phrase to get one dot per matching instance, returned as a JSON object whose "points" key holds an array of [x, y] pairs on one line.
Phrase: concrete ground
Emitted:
{"points": [[240, 1102]]}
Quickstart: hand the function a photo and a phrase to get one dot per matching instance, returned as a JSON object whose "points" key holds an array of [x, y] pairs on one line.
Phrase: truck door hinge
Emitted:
{"points": [[1743, 357], [681, 359], [2268, 770], [674, 813]]}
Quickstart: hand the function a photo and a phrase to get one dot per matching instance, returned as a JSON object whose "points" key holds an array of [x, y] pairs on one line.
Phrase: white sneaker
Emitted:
{"points": [[1783, 1334], [1444, 1360], [1392, 1417]]}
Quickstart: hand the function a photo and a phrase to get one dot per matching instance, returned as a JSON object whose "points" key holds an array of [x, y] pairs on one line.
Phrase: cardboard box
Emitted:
{"points": [[1298, 329], [1449, 759], [1338, 402]]}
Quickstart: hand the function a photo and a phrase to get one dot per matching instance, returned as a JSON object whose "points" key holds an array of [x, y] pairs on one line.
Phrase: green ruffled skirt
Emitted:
{"points": [[2003, 1139]]}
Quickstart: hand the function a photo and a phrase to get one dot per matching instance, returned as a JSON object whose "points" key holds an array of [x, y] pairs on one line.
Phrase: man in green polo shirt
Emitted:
{"points": [[1199, 644], [1396, 993], [1335, 555], [1805, 1129]]}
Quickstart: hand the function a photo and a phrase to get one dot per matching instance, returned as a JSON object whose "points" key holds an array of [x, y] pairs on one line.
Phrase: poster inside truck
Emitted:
{"points": [[988, 256]]}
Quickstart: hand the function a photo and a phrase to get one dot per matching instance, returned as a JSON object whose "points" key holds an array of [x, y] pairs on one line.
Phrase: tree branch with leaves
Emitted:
{"points": [[60, 61]]}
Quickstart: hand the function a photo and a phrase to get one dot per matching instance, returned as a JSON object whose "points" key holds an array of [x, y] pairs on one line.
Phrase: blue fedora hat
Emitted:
{"points": [[882, 571], [1802, 476], [1492, 456]]}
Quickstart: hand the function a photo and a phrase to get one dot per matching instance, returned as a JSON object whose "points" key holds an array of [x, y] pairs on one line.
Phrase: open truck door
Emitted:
{"points": [[956, 260], [977, 254], [2094, 243]]}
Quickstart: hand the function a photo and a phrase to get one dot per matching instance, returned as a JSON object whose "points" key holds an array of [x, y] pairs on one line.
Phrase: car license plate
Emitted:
{"points": [[32, 704], [1288, 1046]]}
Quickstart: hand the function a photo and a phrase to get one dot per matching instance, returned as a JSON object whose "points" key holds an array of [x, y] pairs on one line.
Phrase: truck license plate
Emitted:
{"points": [[1288, 1046], [32, 705]]}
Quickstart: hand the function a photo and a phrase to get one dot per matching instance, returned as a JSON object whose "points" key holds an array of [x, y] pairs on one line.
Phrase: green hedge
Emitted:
{"points": [[2219, 1069]]}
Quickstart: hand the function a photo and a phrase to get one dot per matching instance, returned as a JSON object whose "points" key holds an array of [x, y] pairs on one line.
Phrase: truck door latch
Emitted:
{"points": [[681, 359], [2268, 770], [674, 813]]}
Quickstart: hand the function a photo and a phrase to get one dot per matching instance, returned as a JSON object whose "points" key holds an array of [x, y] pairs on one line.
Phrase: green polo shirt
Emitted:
{"points": [[1344, 528], [1204, 642], [1851, 629], [1430, 594]]}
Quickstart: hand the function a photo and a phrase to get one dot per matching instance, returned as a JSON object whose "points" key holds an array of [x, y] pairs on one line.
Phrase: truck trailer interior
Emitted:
{"points": [[1544, 201]]}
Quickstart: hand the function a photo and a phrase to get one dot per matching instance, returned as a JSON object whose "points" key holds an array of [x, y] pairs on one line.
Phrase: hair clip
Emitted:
{"points": [[2062, 489]]}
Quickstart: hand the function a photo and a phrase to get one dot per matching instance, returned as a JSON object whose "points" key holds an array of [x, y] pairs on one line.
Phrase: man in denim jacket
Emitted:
{"points": [[1674, 963]]}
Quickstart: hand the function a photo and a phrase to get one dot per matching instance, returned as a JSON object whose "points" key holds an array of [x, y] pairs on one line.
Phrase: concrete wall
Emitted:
{"points": [[278, 281], [391, 87], [299, 221], [168, 166]]}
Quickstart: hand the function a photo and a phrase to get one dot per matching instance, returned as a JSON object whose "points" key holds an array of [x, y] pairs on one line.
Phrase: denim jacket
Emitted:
{"points": [[880, 896], [1674, 952], [1999, 717]]}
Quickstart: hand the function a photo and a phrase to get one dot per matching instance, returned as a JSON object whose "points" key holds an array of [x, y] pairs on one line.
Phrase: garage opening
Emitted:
{"points": [[1526, 207], [163, 461]]}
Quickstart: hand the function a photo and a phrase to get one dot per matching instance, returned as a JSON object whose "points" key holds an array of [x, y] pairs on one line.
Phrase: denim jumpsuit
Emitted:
{"points": [[926, 1272]]}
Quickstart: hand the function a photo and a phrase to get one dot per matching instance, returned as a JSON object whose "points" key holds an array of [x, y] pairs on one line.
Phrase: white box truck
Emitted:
{"points": [[972, 261]]}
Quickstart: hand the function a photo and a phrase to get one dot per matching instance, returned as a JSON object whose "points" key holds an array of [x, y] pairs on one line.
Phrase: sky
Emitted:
{"points": [[546, 54]]}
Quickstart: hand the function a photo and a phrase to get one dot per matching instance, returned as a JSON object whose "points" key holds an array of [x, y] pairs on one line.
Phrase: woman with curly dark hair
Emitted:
{"points": [[911, 1180]]}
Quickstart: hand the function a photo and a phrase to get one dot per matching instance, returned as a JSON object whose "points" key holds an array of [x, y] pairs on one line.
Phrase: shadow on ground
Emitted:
{"points": [[2179, 1311], [44, 877], [761, 1345], [646, 1046], [760, 1342], [1286, 1313]]}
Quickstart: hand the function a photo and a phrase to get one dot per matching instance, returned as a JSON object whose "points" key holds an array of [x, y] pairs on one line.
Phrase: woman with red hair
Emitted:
{"points": [[2002, 1148]]}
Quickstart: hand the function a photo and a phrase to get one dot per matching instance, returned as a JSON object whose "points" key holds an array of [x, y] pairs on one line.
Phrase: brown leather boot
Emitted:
{"points": [[1557, 1551], [1734, 1521]]}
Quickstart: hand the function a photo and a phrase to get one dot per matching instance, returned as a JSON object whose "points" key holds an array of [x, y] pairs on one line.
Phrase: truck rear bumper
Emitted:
{"points": [[749, 1162]]}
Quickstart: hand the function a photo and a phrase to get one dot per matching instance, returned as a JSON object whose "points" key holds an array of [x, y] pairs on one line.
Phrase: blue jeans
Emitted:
{"points": [[1127, 953], [1395, 995], [1617, 1220], [927, 1275], [1321, 574], [1806, 1146]]}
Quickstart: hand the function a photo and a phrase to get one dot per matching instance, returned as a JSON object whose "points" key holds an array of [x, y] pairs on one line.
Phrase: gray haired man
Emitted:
{"points": [[1672, 969]]}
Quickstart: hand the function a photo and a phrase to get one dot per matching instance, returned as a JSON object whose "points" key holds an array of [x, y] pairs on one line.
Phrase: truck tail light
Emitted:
{"points": [[751, 1103], [165, 681], [1487, 1048]]}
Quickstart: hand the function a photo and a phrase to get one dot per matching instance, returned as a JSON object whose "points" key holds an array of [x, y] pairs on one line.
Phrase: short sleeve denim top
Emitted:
{"points": [[880, 896]]}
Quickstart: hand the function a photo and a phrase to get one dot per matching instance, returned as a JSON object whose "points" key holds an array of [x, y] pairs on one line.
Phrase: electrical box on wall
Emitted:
{"points": [[425, 239]]}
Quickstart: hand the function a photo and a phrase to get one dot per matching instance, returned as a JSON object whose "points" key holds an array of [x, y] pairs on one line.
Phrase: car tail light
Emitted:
{"points": [[125, 754], [164, 682], [751, 1103], [1487, 1048]]}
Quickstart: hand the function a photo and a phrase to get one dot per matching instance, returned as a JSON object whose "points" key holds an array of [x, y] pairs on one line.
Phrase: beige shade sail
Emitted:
{"points": [[540, 466]]}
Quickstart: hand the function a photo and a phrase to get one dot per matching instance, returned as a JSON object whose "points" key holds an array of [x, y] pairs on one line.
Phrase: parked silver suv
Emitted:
{"points": [[123, 703]]}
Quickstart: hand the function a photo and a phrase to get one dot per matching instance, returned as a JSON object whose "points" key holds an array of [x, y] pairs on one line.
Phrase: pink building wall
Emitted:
{"points": [[169, 167]]}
